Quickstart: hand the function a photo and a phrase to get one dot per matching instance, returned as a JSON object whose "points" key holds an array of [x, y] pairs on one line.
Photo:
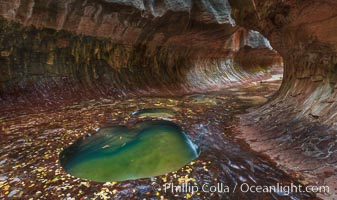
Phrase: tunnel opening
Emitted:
{"points": [[212, 68]]}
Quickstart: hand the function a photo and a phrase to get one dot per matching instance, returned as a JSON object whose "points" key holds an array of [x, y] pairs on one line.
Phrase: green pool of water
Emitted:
{"points": [[117, 153], [155, 113]]}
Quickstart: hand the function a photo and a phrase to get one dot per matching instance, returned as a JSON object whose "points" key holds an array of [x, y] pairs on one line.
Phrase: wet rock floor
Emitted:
{"points": [[31, 143]]}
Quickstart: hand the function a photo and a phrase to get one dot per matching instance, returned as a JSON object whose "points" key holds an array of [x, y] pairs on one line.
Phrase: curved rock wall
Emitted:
{"points": [[129, 48], [203, 28], [303, 132], [156, 23], [148, 45]]}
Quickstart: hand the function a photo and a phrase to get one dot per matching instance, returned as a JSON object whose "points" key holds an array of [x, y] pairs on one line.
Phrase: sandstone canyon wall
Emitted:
{"points": [[303, 132], [179, 46], [56, 50]]}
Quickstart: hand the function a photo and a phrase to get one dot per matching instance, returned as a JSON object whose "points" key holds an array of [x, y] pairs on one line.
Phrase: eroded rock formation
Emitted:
{"points": [[303, 132], [146, 46], [105, 47]]}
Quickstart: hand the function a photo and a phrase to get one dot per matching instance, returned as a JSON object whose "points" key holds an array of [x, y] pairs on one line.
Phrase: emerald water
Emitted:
{"points": [[155, 112], [117, 153]]}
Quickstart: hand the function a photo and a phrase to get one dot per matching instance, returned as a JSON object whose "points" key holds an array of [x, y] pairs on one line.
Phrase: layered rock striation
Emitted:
{"points": [[303, 133], [56, 51], [80, 49]]}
